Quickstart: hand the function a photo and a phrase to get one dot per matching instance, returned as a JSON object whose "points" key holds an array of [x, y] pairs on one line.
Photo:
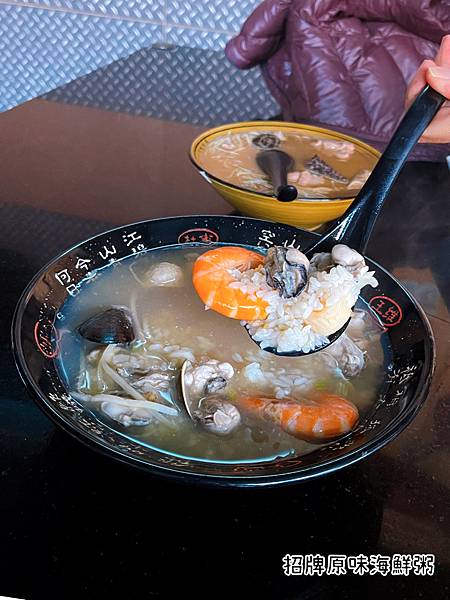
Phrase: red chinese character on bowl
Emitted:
{"points": [[46, 338], [388, 310], [201, 234]]}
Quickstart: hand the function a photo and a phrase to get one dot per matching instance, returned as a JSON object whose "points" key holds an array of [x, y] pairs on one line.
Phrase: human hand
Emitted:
{"points": [[437, 73]]}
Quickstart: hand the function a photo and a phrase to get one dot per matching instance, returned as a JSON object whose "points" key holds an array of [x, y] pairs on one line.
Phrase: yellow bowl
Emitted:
{"points": [[308, 214]]}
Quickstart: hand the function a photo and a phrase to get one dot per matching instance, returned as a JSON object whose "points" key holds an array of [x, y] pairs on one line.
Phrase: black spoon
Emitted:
{"points": [[355, 226], [276, 164]]}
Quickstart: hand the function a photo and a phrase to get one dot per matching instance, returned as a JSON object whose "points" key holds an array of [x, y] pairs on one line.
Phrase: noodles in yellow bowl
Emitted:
{"points": [[329, 169]]}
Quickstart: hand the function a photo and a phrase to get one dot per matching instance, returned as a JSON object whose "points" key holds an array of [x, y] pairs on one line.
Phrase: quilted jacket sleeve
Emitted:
{"points": [[261, 34], [429, 19], [264, 30]]}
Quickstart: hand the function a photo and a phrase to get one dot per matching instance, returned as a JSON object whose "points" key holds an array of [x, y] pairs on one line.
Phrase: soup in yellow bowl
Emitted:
{"points": [[328, 170]]}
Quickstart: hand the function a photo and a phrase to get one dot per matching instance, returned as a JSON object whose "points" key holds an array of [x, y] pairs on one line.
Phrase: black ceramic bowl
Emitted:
{"points": [[35, 344]]}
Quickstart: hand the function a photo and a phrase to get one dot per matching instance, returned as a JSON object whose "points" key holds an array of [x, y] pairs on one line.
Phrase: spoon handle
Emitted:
{"points": [[356, 224], [276, 164]]}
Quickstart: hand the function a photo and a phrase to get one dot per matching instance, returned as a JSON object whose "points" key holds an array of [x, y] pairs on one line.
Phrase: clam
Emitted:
{"points": [[111, 326], [201, 401]]}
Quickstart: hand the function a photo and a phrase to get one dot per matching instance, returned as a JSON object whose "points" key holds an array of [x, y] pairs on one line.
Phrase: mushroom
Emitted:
{"points": [[111, 326], [286, 270]]}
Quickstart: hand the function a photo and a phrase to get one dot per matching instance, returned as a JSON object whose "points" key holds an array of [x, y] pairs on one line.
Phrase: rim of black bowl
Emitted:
{"points": [[242, 481]]}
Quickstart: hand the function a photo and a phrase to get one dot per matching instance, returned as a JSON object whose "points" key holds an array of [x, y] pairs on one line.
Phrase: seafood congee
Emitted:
{"points": [[157, 347]]}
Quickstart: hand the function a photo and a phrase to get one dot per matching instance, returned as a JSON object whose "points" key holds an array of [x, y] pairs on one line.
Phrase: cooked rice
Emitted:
{"points": [[289, 325]]}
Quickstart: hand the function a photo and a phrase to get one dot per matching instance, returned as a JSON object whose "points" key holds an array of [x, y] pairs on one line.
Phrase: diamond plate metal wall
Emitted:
{"points": [[42, 49], [45, 43], [224, 15], [193, 38], [188, 85], [142, 9]]}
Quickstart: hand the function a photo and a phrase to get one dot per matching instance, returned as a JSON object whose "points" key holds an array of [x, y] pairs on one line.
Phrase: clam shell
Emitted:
{"points": [[185, 396]]}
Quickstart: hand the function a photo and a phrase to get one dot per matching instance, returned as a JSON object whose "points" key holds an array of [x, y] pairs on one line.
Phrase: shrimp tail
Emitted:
{"points": [[319, 418]]}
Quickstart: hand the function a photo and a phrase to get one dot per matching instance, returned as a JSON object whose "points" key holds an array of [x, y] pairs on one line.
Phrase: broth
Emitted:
{"points": [[176, 326], [231, 157]]}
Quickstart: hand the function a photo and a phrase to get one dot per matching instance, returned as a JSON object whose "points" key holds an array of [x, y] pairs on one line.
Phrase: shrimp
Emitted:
{"points": [[213, 274], [321, 418]]}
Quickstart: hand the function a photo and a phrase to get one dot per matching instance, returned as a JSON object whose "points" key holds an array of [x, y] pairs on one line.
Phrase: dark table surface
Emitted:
{"points": [[111, 148]]}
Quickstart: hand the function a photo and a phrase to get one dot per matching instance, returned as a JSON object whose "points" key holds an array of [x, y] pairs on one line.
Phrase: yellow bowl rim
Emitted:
{"points": [[243, 124]]}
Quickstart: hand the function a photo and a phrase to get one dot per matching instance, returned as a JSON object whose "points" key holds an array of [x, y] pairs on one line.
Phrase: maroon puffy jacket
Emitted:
{"points": [[344, 64]]}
